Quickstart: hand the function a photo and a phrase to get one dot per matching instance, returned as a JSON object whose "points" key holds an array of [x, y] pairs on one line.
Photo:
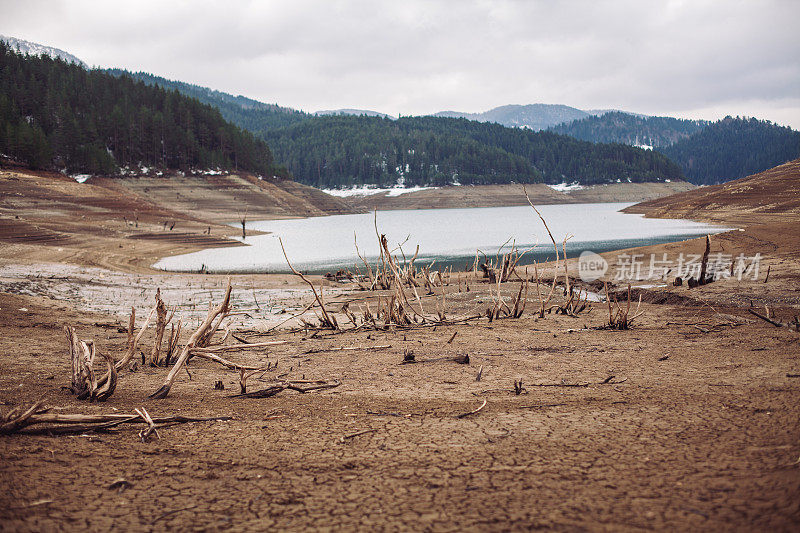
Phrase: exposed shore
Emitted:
{"points": [[511, 195], [687, 420]]}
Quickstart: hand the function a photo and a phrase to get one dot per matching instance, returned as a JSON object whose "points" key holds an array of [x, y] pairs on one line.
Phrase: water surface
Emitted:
{"points": [[447, 236]]}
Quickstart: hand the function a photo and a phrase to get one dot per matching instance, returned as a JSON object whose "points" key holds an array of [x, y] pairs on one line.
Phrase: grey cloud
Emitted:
{"points": [[416, 57]]}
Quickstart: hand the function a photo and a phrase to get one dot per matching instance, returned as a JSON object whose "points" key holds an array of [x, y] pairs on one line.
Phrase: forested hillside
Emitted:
{"points": [[338, 151], [58, 115], [734, 148], [626, 128], [252, 115]]}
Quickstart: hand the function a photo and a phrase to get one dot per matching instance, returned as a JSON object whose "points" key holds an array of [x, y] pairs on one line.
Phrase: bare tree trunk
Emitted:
{"points": [[202, 332]]}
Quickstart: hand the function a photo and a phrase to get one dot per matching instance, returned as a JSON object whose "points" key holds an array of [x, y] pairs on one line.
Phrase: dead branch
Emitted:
{"points": [[409, 359], [618, 317], [80, 376], [327, 321], [295, 385], [172, 344], [356, 434], [202, 332], [561, 384], [372, 280], [151, 426], [464, 415], [12, 422], [84, 383], [243, 376], [766, 319], [225, 362], [161, 324], [58, 423], [555, 269], [109, 383], [133, 341], [234, 347], [346, 349]]}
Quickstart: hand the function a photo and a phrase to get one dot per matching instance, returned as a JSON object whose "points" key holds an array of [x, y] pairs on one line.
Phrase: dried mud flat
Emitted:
{"points": [[686, 421]]}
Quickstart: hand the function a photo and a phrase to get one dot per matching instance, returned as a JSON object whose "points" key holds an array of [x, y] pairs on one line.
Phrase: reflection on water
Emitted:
{"points": [[448, 236]]}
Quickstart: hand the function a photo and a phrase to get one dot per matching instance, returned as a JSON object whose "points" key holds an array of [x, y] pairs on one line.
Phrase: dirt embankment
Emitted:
{"points": [[765, 210], [688, 421], [511, 195], [772, 195], [129, 223]]}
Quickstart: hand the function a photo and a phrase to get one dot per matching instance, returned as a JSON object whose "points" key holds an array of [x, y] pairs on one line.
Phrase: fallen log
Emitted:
{"points": [[409, 359], [79, 423], [290, 385]]}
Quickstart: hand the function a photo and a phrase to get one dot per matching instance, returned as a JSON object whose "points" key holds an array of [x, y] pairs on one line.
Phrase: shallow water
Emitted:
{"points": [[447, 236]]}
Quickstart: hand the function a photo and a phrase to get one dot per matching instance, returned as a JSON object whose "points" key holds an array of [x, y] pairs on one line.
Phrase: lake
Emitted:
{"points": [[447, 236]]}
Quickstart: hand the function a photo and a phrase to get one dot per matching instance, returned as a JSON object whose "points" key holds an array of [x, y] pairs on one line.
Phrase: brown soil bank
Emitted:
{"points": [[130, 223], [511, 195], [766, 208], [770, 195], [688, 421]]}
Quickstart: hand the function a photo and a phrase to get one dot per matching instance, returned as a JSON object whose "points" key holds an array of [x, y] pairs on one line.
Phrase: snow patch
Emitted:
{"points": [[566, 187], [367, 190], [36, 49], [397, 191], [80, 178]]}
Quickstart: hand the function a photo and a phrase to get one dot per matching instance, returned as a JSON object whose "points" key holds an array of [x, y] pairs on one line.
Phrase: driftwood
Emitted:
{"points": [[204, 333], [794, 324], [562, 384], [500, 269], [84, 383], [345, 438], [225, 362], [161, 325], [172, 344], [618, 316], [18, 419], [234, 347], [301, 386], [464, 415], [345, 349], [409, 359], [133, 341]]}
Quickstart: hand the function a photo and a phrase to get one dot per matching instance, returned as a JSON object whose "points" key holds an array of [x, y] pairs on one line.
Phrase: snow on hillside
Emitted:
{"points": [[35, 49], [566, 187], [367, 191]]}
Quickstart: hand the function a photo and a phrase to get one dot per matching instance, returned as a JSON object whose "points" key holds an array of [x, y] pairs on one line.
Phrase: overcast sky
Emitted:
{"points": [[694, 59]]}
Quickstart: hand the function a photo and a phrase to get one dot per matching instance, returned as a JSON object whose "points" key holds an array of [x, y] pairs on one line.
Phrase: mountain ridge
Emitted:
{"points": [[531, 116], [35, 49]]}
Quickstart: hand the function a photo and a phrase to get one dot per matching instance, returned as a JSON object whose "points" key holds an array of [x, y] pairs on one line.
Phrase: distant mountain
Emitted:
{"points": [[631, 129], [733, 148], [252, 115], [356, 112], [532, 116], [35, 49]]}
